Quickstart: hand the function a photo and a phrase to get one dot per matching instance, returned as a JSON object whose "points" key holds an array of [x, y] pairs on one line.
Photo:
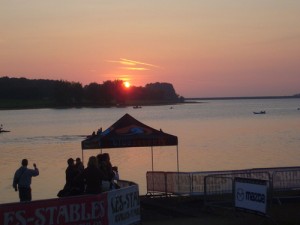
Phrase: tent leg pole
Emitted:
{"points": [[177, 160], [152, 157], [152, 169], [82, 155]]}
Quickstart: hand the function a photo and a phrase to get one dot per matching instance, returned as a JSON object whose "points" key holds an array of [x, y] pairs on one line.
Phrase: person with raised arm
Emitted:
{"points": [[22, 180]]}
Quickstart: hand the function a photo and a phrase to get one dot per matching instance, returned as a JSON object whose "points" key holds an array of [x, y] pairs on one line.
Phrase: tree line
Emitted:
{"points": [[74, 94]]}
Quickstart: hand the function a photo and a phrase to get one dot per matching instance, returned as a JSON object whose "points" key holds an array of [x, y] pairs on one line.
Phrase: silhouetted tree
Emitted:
{"points": [[94, 92], [64, 93]]}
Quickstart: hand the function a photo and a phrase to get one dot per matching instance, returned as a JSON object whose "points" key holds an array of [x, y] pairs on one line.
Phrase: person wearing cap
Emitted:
{"points": [[22, 180]]}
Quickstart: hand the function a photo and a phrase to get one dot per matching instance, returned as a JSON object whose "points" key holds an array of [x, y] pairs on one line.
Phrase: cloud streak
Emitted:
{"points": [[134, 65], [132, 62], [134, 68]]}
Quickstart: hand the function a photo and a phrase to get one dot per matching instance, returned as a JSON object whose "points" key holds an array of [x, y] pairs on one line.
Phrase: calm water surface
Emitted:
{"points": [[213, 135]]}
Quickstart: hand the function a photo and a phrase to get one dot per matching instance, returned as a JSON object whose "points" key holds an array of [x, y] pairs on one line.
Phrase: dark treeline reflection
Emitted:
{"points": [[64, 93]]}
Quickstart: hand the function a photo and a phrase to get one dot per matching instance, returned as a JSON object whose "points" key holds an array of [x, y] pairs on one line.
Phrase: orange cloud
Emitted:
{"points": [[134, 68], [132, 62], [133, 65]]}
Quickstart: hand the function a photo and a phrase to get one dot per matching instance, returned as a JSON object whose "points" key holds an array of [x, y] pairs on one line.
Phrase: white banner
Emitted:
{"points": [[124, 206], [251, 194]]}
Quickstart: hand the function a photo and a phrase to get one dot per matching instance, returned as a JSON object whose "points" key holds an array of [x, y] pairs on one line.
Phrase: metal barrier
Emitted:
{"points": [[286, 179], [193, 183], [286, 183], [216, 188], [159, 182], [167, 183], [219, 188], [178, 183]]}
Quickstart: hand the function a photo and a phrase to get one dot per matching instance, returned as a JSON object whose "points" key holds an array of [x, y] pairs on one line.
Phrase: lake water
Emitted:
{"points": [[213, 135]]}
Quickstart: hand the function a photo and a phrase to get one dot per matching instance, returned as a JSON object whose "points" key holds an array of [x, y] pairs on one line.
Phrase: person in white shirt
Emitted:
{"points": [[22, 180]]}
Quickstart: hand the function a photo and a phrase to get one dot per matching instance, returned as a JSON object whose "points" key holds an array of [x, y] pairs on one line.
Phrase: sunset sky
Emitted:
{"points": [[205, 48]]}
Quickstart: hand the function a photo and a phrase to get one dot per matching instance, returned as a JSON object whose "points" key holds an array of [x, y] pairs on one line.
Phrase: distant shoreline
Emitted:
{"points": [[21, 105], [241, 98], [29, 104]]}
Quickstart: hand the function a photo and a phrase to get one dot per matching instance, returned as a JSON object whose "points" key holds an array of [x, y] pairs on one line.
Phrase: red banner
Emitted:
{"points": [[81, 210]]}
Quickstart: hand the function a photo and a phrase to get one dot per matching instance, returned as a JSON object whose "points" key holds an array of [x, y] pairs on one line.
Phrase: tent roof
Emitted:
{"points": [[128, 132]]}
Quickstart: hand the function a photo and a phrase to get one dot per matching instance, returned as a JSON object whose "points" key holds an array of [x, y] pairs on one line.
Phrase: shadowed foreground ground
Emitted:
{"points": [[186, 211]]}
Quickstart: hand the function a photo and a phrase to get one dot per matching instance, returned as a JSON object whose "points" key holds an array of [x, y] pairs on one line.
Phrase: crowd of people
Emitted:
{"points": [[97, 177]]}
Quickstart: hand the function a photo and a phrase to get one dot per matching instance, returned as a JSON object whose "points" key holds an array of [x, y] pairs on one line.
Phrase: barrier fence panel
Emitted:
{"points": [[198, 181], [156, 182], [217, 184], [286, 183], [179, 183], [193, 183], [219, 188], [283, 180]]}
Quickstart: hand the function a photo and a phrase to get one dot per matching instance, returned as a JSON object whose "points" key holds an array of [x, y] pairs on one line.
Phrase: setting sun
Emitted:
{"points": [[127, 84]]}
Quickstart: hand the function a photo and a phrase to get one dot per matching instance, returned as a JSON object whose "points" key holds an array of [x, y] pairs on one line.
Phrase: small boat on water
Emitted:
{"points": [[260, 112], [137, 107], [2, 130]]}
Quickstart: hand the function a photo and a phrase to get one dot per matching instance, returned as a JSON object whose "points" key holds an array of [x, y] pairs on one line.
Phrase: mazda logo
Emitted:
{"points": [[240, 195]]}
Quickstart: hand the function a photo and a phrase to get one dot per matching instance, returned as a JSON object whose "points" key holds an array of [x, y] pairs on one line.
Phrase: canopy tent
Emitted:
{"points": [[128, 132]]}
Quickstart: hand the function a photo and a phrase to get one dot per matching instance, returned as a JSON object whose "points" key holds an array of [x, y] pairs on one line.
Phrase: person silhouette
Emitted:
{"points": [[22, 180], [93, 177], [79, 165]]}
